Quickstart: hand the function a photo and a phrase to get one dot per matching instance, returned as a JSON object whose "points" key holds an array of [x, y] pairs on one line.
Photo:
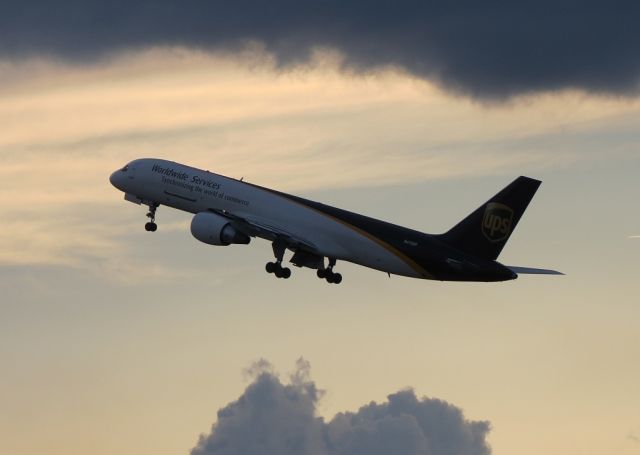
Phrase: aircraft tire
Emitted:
{"points": [[322, 273], [286, 272], [150, 227], [337, 278]]}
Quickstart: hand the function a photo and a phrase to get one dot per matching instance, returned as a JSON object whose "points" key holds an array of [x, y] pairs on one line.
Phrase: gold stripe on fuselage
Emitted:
{"points": [[390, 248]]}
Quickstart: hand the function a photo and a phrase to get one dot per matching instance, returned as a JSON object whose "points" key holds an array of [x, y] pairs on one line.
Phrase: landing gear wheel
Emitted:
{"points": [[333, 278], [328, 274], [279, 246], [151, 225]]}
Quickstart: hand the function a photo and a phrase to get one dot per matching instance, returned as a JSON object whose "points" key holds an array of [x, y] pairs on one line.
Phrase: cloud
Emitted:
{"points": [[489, 50], [64, 129], [275, 418]]}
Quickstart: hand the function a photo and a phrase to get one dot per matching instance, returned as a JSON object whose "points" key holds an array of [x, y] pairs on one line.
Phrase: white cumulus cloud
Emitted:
{"points": [[272, 417]]}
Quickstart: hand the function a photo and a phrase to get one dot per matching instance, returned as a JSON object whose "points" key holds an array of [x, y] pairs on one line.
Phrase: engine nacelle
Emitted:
{"points": [[216, 230]]}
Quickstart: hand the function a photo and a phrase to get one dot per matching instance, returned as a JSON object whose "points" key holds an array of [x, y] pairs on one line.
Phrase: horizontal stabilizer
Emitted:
{"points": [[532, 271]]}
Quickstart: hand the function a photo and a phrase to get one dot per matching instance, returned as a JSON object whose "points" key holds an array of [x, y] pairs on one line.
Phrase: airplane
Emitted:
{"points": [[229, 211]]}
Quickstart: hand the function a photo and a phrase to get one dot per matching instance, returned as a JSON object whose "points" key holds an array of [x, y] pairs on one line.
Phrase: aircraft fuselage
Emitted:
{"points": [[314, 228]]}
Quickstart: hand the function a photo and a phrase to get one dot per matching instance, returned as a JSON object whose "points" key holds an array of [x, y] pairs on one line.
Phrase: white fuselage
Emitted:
{"points": [[194, 190]]}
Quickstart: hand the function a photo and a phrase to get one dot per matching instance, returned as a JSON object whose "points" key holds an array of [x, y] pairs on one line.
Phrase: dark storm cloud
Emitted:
{"points": [[486, 49], [272, 418]]}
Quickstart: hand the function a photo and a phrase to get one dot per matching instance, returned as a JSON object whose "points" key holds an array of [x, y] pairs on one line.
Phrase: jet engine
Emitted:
{"points": [[216, 230]]}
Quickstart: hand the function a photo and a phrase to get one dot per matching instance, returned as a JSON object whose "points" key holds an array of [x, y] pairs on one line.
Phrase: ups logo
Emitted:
{"points": [[496, 223]]}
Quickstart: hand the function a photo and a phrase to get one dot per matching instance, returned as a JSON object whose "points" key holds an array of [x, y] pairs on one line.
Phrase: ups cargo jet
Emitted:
{"points": [[229, 211]]}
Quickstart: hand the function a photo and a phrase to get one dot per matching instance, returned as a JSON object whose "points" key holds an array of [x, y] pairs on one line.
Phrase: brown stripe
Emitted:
{"points": [[390, 248]]}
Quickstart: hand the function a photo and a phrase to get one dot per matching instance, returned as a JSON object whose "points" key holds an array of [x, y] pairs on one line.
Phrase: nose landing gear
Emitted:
{"points": [[151, 225]]}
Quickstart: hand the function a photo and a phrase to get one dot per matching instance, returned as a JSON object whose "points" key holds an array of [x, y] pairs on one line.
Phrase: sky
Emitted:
{"points": [[115, 340]]}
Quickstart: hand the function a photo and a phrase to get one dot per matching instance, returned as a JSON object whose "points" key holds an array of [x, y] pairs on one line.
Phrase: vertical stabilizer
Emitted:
{"points": [[485, 232]]}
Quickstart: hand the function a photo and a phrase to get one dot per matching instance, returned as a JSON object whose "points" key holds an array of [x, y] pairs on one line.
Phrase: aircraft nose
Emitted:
{"points": [[116, 179]]}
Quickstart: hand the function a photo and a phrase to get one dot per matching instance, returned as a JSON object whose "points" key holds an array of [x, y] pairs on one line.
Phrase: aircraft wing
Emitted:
{"points": [[257, 228], [532, 271]]}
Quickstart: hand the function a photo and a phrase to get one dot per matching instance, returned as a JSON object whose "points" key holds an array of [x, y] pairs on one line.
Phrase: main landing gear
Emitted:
{"points": [[279, 247], [151, 225], [328, 273], [277, 269]]}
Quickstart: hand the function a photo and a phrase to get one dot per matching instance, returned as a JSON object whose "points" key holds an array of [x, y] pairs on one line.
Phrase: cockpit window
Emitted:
{"points": [[125, 169]]}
